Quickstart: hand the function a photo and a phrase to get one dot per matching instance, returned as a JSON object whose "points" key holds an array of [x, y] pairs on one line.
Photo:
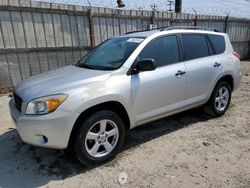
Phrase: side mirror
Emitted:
{"points": [[144, 65]]}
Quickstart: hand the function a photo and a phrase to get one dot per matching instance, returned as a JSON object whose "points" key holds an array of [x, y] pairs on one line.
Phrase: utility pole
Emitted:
{"points": [[178, 6], [154, 9], [170, 3]]}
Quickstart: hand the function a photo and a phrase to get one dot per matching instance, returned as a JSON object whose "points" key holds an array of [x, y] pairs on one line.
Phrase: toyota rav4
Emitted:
{"points": [[125, 82]]}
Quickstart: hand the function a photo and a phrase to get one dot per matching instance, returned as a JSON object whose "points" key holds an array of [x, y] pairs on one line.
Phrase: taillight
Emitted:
{"points": [[236, 54]]}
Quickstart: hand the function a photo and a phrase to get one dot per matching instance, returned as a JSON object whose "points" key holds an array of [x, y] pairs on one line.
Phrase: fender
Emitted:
{"points": [[226, 73]]}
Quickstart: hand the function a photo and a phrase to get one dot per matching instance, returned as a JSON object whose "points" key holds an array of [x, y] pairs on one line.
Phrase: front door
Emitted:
{"points": [[162, 90]]}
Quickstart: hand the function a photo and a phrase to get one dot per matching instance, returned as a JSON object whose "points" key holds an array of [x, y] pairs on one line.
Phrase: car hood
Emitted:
{"points": [[58, 81]]}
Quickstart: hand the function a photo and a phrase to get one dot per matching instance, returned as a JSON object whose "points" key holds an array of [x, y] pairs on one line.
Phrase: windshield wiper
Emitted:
{"points": [[84, 65]]}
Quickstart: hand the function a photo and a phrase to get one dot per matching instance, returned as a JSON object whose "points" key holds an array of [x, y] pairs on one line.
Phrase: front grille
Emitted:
{"points": [[18, 101]]}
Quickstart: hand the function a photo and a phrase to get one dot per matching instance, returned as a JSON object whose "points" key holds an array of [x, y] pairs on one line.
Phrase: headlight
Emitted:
{"points": [[45, 105]]}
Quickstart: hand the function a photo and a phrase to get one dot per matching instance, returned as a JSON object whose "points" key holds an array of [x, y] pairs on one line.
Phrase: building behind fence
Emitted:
{"points": [[36, 37]]}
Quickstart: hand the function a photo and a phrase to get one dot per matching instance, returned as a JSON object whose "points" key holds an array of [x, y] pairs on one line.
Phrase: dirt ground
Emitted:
{"points": [[190, 149]]}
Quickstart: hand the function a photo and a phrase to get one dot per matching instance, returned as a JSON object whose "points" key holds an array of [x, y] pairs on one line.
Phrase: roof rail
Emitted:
{"points": [[178, 27], [192, 28]]}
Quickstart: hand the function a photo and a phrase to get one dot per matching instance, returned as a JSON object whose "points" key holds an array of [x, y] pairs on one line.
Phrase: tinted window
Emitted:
{"points": [[211, 51], [163, 50], [218, 43], [195, 46]]}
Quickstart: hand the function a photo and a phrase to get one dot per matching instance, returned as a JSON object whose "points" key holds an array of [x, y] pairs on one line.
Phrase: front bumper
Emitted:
{"points": [[56, 127]]}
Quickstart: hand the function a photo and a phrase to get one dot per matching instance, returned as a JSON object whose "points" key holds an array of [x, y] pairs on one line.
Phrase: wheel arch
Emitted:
{"points": [[210, 106], [114, 106], [227, 78]]}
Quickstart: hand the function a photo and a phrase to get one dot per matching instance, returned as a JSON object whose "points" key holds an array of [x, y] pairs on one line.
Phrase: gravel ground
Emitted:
{"points": [[190, 149]]}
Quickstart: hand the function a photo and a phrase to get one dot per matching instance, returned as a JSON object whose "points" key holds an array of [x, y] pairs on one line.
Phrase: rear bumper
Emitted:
{"points": [[237, 81], [56, 127]]}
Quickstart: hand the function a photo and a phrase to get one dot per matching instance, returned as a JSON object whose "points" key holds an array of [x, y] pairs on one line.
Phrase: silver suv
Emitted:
{"points": [[125, 82]]}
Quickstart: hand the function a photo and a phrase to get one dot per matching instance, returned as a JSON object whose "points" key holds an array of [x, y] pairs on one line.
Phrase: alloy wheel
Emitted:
{"points": [[222, 99], [101, 138]]}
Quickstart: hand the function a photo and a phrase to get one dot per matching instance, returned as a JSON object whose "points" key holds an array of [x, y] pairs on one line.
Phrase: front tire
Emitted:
{"points": [[99, 138], [219, 100]]}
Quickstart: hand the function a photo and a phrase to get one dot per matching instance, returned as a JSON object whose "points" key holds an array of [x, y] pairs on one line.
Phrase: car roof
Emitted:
{"points": [[145, 34]]}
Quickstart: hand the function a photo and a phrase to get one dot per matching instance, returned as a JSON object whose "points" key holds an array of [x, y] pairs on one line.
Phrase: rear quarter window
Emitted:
{"points": [[218, 43]]}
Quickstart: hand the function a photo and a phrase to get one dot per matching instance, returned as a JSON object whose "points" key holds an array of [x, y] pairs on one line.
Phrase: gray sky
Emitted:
{"points": [[236, 8]]}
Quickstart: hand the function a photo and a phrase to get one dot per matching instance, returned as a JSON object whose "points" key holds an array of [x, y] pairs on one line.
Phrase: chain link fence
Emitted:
{"points": [[17, 65]]}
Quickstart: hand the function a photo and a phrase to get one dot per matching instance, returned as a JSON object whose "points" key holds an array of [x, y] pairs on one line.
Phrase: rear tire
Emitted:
{"points": [[219, 100], [99, 138]]}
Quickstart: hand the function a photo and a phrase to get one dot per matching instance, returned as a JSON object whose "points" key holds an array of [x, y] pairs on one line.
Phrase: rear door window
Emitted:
{"points": [[195, 46], [218, 43], [210, 48]]}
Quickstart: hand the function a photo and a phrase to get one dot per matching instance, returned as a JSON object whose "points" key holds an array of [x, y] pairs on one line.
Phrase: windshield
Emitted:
{"points": [[111, 54]]}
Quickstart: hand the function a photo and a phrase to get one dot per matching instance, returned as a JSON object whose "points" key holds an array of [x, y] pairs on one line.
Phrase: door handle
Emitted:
{"points": [[179, 73], [217, 64]]}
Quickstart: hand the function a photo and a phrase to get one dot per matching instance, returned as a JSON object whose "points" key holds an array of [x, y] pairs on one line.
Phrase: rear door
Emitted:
{"points": [[202, 66]]}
